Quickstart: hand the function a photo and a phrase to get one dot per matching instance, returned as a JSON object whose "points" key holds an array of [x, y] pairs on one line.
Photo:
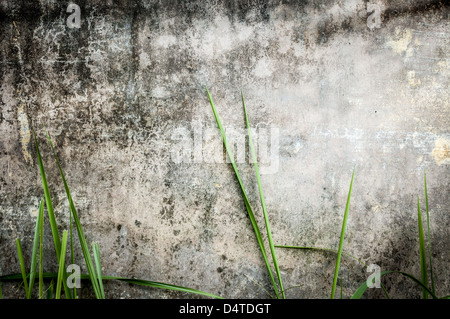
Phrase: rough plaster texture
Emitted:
{"points": [[114, 92]]}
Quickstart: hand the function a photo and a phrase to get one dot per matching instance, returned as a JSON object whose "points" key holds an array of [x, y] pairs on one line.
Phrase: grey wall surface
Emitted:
{"points": [[332, 88]]}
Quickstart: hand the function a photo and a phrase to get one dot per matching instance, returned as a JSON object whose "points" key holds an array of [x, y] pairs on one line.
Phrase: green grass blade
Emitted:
{"points": [[82, 238], [51, 214], [341, 241], [99, 267], [61, 265], [298, 286], [360, 291], [160, 285], [322, 249], [35, 250], [263, 204], [423, 258], [428, 231], [141, 282], [50, 292], [22, 266], [260, 286], [1, 295], [72, 255], [41, 253], [245, 197]]}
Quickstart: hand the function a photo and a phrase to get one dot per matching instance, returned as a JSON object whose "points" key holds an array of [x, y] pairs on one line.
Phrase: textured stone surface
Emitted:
{"points": [[114, 93]]}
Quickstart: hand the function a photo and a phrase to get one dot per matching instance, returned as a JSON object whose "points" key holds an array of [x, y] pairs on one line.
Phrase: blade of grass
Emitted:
{"points": [[263, 204], [260, 286], [22, 266], [360, 291], [1, 295], [298, 286], [61, 265], [428, 231], [335, 251], [35, 249], [245, 197], [72, 255], [41, 253], [423, 260], [96, 251], [141, 282], [50, 293], [51, 214], [81, 237], [341, 241]]}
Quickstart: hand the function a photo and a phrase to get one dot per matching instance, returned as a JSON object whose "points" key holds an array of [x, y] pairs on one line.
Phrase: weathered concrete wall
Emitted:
{"points": [[341, 88]]}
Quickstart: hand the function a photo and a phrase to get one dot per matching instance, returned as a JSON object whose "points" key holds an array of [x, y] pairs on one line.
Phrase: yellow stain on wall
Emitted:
{"points": [[25, 134], [441, 151], [412, 80], [399, 43]]}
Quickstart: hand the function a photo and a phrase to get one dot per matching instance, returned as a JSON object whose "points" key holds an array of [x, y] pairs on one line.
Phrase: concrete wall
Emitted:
{"points": [[330, 87]]}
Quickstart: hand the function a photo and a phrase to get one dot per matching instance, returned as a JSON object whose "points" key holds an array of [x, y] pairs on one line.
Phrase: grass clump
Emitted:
{"points": [[279, 292], [61, 244], [341, 241], [94, 265], [423, 283]]}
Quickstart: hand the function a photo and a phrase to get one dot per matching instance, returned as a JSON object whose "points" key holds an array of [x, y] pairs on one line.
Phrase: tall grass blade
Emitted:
{"points": [[245, 197], [428, 231], [61, 265], [160, 285], [263, 204], [35, 250], [423, 258], [99, 267], [341, 241], [1, 295], [41, 253], [51, 214], [360, 291], [82, 238], [141, 282], [22, 266]]}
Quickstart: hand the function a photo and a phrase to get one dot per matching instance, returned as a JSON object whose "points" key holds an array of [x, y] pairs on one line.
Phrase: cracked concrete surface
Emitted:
{"points": [[343, 95]]}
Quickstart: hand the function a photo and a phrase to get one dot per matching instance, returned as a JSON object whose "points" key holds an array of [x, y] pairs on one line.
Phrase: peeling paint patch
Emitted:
{"points": [[441, 151], [25, 135]]}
